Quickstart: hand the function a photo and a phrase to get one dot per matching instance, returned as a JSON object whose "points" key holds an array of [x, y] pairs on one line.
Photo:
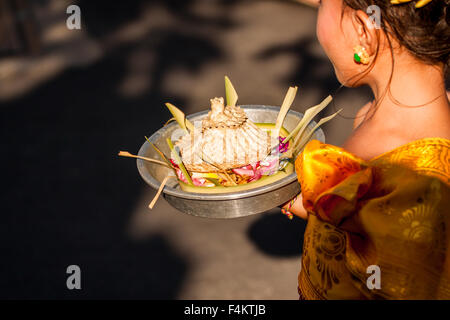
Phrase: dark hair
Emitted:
{"points": [[424, 31]]}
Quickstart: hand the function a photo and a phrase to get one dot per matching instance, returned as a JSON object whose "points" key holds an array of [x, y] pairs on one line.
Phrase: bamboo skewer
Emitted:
{"points": [[129, 155], [161, 187], [224, 171], [161, 154]]}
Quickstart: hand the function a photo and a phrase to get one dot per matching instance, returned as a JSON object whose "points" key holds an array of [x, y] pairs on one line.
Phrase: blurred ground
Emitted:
{"points": [[67, 111]]}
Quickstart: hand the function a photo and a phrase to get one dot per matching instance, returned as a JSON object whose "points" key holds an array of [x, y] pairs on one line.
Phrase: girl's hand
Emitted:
{"points": [[297, 207]]}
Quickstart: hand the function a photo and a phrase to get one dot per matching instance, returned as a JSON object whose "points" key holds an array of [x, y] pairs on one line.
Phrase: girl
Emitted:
{"points": [[378, 208]]}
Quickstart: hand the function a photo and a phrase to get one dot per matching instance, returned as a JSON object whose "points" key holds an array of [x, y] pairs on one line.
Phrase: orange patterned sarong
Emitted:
{"points": [[392, 212]]}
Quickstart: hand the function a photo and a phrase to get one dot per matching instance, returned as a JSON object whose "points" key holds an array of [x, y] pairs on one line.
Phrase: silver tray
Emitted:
{"points": [[223, 205]]}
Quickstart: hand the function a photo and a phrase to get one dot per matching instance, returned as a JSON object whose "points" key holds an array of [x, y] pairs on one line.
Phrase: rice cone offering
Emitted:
{"points": [[227, 152], [225, 139]]}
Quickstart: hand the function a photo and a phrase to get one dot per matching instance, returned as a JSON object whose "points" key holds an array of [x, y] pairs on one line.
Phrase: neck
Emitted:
{"points": [[413, 84]]}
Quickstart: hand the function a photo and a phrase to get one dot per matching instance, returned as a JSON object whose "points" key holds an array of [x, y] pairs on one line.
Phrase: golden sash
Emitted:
{"points": [[392, 212]]}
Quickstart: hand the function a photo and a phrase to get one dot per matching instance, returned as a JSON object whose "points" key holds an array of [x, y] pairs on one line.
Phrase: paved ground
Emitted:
{"points": [[66, 112]]}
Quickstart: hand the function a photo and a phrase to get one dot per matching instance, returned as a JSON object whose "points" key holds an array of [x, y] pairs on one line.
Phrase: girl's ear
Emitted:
{"points": [[366, 31]]}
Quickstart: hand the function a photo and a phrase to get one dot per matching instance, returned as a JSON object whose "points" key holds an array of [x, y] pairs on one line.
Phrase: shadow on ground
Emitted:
{"points": [[276, 235], [312, 71], [69, 197]]}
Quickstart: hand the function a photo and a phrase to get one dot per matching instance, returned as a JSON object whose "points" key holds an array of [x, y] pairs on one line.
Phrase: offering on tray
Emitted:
{"points": [[227, 152]]}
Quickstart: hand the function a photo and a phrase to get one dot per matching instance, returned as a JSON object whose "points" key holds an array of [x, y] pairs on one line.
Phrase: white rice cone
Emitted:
{"points": [[227, 139]]}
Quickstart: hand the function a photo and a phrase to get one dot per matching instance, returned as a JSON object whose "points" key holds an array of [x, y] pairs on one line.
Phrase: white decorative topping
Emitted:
{"points": [[227, 139], [221, 116]]}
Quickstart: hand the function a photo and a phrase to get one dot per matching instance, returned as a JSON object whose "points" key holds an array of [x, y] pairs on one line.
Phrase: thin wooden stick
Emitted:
{"points": [[227, 176], [163, 183], [161, 154], [129, 155], [169, 121]]}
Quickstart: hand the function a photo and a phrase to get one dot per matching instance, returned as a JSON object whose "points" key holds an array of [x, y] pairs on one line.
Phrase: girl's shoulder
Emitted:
{"points": [[370, 141], [374, 138]]}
